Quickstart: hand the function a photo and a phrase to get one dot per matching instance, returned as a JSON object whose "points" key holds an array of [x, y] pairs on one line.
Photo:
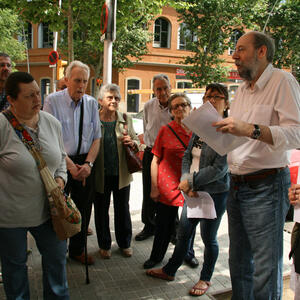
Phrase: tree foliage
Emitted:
{"points": [[213, 22], [132, 27], [10, 28], [283, 26]]}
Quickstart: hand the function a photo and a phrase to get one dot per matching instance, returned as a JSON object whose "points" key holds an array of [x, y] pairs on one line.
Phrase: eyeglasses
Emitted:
{"points": [[5, 64], [183, 105], [111, 98], [214, 98]]}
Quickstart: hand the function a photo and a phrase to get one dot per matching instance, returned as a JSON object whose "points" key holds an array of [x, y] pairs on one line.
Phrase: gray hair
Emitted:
{"points": [[161, 77], [78, 64], [177, 95], [2, 54], [262, 39], [110, 87]]}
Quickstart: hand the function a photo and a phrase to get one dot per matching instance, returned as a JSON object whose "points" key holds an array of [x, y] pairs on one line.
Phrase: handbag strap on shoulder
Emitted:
{"points": [[180, 140], [25, 137]]}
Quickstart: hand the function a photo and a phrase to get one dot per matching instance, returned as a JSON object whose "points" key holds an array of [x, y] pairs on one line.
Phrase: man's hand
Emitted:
{"points": [[74, 171], [84, 170], [184, 186], [234, 126], [294, 194]]}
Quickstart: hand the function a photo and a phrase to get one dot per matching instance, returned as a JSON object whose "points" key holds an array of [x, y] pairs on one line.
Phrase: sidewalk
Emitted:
{"points": [[124, 278]]}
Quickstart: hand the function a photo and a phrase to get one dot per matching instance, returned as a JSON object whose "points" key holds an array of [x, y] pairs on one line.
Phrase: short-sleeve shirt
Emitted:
{"points": [[169, 151]]}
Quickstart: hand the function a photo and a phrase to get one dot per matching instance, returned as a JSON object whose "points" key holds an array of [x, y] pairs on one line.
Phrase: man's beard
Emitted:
{"points": [[249, 72]]}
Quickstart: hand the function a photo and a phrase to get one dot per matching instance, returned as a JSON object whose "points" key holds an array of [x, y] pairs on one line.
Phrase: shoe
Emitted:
{"points": [[143, 235], [200, 288], [89, 231], [105, 254], [193, 262], [127, 252], [159, 273], [81, 258], [148, 264]]}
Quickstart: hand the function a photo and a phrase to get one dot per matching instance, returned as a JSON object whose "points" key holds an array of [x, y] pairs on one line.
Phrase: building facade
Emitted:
{"points": [[166, 51]]}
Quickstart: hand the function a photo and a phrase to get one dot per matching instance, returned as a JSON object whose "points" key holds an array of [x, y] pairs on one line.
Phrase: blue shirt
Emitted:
{"points": [[63, 108]]}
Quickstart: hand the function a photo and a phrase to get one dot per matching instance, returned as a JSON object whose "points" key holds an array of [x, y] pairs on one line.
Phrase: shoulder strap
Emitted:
{"points": [[25, 137], [180, 140], [80, 127]]}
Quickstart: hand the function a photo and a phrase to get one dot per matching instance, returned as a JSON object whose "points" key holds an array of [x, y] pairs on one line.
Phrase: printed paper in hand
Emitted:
{"points": [[200, 207], [297, 207], [200, 121]]}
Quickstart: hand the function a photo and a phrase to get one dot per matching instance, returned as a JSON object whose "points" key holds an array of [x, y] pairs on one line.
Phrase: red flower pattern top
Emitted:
{"points": [[170, 151]]}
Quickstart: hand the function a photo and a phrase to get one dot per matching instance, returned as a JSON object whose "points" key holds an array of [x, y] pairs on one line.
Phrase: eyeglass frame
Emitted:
{"points": [[215, 98], [183, 105]]}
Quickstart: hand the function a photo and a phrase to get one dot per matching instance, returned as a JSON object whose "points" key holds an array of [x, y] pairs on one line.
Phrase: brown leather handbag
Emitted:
{"points": [[134, 163]]}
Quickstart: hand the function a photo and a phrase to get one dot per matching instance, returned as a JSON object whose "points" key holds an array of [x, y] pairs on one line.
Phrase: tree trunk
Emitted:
{"points": [[70, 33]]}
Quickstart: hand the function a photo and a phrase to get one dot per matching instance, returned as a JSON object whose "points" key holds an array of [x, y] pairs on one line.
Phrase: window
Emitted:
{"points": [[162, 33], [45, 88], [185, 37], [45, 36], [26, 35], [184, 85], [233, 40], [133, 99]]}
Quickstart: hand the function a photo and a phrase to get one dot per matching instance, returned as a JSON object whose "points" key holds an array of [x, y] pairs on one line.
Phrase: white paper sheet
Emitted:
{"points": [[200, 207], [297, 207], [200, 122]]}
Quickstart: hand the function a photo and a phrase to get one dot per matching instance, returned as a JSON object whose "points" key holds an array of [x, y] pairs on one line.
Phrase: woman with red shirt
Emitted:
{"points": [[168, 151]]}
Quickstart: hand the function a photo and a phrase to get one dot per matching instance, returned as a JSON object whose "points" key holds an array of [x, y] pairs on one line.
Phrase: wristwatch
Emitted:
{"points": [[256, 132], [89, 163]]}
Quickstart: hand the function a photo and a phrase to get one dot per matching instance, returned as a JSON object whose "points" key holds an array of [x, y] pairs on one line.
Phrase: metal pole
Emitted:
{"points": [[108, 42], [55, 37], [107, 65]]}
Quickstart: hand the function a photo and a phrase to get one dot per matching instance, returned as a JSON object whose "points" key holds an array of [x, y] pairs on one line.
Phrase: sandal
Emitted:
{"points": [[159, 273], [199, 291]]}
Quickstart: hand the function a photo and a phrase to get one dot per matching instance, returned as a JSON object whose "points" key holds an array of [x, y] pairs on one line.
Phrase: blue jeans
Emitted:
{"points": [[13, 252], [256, 216], [209, 229]]}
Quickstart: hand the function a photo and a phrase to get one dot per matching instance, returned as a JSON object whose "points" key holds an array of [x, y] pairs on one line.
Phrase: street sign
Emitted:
{"points": [[104, 18], [53, 57]]}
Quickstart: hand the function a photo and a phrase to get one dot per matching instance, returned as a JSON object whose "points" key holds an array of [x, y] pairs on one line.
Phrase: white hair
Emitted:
{"points": [[78, 64]]}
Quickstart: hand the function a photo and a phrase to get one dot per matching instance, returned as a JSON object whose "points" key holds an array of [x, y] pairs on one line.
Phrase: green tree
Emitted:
{"points": [[283, 26], [132, 27], [10, 28], [211, 22]]}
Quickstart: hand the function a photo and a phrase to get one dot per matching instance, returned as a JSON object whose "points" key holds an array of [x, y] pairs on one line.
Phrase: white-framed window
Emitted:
{"points": [[162, 33], [45, 88], [27, 35], [133, 100], [185, 36], [45, 36], [183, 84], [236, 34]]}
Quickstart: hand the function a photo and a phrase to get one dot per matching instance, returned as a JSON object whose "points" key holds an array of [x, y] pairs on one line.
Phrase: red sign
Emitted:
{"points": [[53, 57], [104, 18], [234, 75]]}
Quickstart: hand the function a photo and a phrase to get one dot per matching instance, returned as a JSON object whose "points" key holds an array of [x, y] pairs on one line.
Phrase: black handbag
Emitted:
{"points": [[134, 163]]}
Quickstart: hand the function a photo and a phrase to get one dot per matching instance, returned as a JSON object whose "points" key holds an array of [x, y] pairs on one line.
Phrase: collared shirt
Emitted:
{"points": [[4, 104], [60, 105], [155, 116], [274, 102]]}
